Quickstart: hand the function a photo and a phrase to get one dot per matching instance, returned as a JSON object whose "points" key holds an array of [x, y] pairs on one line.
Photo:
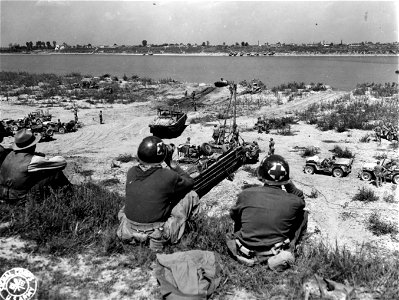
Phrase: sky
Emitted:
{"points": [[158, 22]]}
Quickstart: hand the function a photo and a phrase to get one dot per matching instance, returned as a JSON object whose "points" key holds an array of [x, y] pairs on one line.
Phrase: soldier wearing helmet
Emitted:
{"points": [[159, 197], [268, 221]]}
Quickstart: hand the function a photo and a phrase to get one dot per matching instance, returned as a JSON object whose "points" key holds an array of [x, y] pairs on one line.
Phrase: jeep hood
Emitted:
{"points": [[369, 166], [344, 161], [314, 158]]}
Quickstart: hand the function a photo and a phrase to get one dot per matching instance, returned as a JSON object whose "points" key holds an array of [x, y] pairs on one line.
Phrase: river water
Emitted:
{"points": [[340, 72]]}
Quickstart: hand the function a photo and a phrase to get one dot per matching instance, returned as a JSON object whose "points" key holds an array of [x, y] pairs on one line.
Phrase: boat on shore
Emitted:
{"points": [[169, 123]]}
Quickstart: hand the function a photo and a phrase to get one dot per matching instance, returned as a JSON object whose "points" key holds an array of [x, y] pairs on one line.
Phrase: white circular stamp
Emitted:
{"points": [[17, 284]]}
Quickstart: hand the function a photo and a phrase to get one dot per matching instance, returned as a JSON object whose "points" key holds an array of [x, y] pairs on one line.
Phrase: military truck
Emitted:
{"points": [[39, 116], [337, 167], [391, 173]]}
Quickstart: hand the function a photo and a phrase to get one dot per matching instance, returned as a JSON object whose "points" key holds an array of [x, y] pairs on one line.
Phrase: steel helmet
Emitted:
{"points": [[152, 150], [274, 170]]}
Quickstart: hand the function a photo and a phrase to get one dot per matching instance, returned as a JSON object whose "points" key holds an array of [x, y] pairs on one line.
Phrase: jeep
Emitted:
{"points": [[391, 173], [337, 167]]}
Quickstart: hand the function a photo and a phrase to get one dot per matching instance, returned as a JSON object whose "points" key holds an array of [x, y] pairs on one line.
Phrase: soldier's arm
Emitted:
{"points": [[184, 182], [235, 215], [40, 163], [292, 189]]}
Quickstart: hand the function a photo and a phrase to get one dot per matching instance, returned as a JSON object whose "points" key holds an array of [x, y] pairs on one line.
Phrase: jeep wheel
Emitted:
{"points": [[366, 176], [49, 132], [14, 127], [206, 149], [38, 121], [61, 130], [309, 169], [337, 172], [395, 179]]}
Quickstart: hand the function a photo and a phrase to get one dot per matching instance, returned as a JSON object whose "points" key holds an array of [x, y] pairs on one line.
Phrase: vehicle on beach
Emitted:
{"points": [[63, 127], [17, 124], [39, 116], [337, 167], [391, 173], [169, 123], [45, 131], [190, 153]]}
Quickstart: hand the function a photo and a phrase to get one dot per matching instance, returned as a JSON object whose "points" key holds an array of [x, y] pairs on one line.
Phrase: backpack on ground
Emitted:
{"points": [[187, 275]]}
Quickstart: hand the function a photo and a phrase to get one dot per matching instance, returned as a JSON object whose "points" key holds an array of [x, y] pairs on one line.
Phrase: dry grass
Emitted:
{"points": [[67, 224]]}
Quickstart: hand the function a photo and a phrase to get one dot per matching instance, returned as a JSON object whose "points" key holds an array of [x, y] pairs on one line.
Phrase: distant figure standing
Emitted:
{"points": [[194, 103], [185, 94], [75, 112], [216, 133], [378, 133], [378, 172], [187, 143], [271, 146], [101, 117]]}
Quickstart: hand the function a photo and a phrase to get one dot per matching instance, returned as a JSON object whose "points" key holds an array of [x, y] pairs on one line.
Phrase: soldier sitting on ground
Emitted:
{"points": [[25, 171], [159, 199], [3, 150], [268, 221]]}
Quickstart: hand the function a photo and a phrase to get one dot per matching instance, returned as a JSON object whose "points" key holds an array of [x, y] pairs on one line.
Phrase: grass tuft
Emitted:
{"points": [[65, 222], [365, 138], [125, 158], [310, 151], [313, 194], [365, 195], [379, 227]]}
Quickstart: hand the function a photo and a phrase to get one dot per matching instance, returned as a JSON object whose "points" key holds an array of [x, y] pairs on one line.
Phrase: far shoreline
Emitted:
{"points": [[218, 54]]}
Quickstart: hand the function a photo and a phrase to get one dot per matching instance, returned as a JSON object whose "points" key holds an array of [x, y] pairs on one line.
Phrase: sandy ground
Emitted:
{"points": [[334, 218]]}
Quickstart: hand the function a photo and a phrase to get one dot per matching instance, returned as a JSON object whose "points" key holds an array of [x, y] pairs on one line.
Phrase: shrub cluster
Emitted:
{"points": [[377, 89], [17, 83], [339, 152], [365, 195], [344, 113], [380, 227], [294, 86], [310, 151], [249, 84]]}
